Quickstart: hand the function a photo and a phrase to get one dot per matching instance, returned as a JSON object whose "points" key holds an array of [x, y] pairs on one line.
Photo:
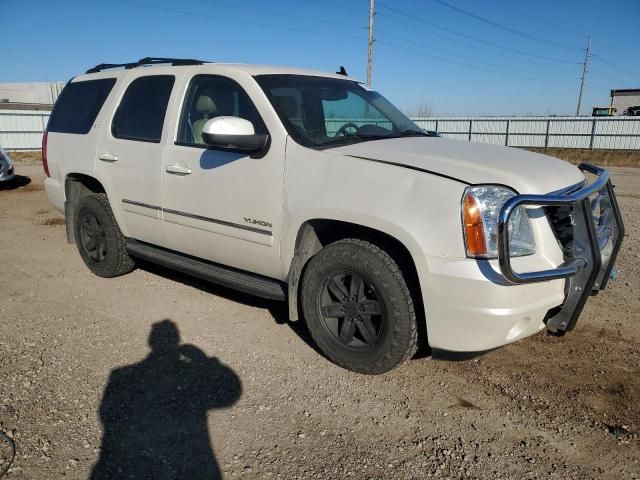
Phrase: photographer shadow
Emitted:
{"points": [[154, 412]]}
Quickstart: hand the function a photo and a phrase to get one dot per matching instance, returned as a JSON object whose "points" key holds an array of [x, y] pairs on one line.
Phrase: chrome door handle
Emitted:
{"points": [[108, 157], [178, 169]]}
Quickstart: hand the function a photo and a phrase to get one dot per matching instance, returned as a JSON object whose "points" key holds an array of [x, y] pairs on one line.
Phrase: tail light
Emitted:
{"points": [[45, 165]]}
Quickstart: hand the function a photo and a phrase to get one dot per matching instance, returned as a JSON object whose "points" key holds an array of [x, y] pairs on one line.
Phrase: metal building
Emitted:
{"points": [[42, 93], [624, 99]]}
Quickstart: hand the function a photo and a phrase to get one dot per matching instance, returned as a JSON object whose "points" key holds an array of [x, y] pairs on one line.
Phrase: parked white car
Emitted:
{"points": [[7, 171], [312, 188]]}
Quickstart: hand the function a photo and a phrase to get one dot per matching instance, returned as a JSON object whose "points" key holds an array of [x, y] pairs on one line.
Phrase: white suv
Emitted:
{"points": [[312, 188]]}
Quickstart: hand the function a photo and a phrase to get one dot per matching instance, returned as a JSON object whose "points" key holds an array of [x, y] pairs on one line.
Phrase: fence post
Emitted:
{"points": [[506, 137], [436, 126], [470, 129], [593, 133], [546, 137]]}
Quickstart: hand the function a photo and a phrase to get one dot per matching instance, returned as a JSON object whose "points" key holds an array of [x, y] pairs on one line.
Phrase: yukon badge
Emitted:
{"points": [[257, 222]]}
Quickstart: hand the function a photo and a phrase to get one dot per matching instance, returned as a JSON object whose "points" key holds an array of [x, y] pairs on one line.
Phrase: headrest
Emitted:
{"points": [[205, 104], [288, 105]]}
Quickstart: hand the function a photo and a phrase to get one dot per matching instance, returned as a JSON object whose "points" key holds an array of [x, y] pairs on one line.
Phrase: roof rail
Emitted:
{"points": [[146, 62]]}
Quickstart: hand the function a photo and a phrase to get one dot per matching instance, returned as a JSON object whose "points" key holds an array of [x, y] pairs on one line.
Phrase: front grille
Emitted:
{"points": [[561, 221]]}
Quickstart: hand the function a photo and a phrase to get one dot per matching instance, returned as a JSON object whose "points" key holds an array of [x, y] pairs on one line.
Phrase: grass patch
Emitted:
{"points": [[605, 158]]}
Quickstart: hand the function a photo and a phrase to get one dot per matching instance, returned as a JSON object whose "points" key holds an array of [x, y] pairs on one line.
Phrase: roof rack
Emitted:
{"points": [[143, 62]]}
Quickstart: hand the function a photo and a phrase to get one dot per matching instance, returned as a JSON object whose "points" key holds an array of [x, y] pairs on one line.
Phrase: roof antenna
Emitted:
{"points": [[342, 71]]}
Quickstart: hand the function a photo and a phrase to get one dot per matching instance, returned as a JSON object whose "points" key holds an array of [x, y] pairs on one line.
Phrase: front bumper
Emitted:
{"points": [[470, 307], [597, 233]]}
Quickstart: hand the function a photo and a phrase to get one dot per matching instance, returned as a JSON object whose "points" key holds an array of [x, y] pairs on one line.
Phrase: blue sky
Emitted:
{"points": [[511, 58]]}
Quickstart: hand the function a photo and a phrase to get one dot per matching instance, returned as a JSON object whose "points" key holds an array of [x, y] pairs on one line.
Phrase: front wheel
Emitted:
{"points": [[100, 242], [358, 307]]}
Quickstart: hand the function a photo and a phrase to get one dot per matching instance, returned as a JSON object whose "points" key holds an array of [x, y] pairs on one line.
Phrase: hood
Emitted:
{"points": [[473, 163]]}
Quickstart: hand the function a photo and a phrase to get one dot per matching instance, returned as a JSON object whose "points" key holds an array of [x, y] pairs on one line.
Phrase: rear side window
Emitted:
{"points": [[141, 113], [79, 105]]}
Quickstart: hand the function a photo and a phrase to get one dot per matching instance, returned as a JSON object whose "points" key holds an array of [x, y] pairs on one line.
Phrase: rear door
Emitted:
{"points": [[130, 155]]}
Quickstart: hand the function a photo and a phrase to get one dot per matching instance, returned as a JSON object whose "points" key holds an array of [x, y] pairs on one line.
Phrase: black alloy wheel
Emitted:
{"points": [[351, 310], [93, 238]]}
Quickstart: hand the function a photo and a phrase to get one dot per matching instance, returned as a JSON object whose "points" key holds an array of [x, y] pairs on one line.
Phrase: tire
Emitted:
{"points": [[389, 337], [99, 239]]}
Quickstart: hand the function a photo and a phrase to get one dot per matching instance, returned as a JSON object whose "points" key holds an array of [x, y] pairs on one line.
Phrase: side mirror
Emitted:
{"points": [[233, 133]]}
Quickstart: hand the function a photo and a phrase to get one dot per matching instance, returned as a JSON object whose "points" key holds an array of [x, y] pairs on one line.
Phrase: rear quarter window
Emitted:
{"points": [[79, 105]]}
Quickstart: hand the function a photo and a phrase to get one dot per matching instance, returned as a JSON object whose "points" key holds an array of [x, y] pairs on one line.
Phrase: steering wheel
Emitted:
{"points": [[342, 131]]}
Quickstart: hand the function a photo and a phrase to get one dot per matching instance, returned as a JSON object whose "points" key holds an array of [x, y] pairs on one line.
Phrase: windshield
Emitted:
{"points": [[321, 112]]}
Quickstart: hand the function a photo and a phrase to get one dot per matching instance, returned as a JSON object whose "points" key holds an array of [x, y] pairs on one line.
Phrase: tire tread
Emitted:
{"points": [[404, 345], [123, 263]]}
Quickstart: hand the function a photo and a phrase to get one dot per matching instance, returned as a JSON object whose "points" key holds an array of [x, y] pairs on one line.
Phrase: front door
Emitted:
{"points": [[130, 157], [221, 205]]}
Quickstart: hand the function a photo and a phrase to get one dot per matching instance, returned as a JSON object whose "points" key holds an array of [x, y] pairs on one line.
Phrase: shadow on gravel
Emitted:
{"points": [[154, 412], [19, 181], [448, 356], [278, 310]]}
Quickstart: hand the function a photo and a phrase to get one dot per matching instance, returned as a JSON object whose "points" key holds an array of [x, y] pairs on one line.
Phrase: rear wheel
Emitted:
{"points": [[100, 242], [358, 307]]}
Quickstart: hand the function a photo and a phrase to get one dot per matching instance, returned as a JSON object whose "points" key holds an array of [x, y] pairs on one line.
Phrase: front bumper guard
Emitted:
{"points": [[596, 243]]}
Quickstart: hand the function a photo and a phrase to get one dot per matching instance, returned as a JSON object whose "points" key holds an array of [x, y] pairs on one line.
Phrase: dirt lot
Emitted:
{"points": [[246, 394]]}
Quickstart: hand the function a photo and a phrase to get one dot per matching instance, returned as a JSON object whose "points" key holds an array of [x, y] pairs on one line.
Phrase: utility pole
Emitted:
{"points": [[370, 42], [585, 69]]}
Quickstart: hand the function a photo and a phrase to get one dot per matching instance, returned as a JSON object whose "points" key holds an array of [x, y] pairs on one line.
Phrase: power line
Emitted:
{"points": [[277, 13], [598, 57], [336, 5], [563, 63], [601, 74], [237, 20], [371, 39], [470, 37], [466, 65], [493, 50], [481, 63], [508, 29]]}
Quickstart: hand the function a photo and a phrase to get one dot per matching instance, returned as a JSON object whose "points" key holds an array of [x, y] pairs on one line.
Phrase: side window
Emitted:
{"points": [[141, 113], [209, 97], [79, 105]]}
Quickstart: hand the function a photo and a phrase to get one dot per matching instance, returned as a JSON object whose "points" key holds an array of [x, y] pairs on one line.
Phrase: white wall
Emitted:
{"points": [[22, 129], [35, 92]]}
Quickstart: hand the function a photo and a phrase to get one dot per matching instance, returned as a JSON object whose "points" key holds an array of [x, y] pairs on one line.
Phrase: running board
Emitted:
{"points": [[212, 272]]}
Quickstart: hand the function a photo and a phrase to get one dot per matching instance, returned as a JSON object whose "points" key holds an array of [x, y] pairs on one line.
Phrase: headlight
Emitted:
{"points": [[480, 208]]}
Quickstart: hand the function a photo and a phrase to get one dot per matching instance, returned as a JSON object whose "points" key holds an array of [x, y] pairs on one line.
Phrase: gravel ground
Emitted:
{"points": [[156, 375]]}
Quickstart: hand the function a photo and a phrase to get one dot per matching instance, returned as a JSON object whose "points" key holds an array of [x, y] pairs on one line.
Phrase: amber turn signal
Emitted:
{"points": [[473, 227]]}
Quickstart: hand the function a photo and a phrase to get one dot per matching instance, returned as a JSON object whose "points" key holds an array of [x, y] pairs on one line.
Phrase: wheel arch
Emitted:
{"points": [[76, 186], [315, 234]]}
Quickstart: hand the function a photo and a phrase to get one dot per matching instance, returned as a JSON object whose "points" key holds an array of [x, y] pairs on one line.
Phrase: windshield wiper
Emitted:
{"points": [[354, 137], [404, 133], [412, 133]]}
